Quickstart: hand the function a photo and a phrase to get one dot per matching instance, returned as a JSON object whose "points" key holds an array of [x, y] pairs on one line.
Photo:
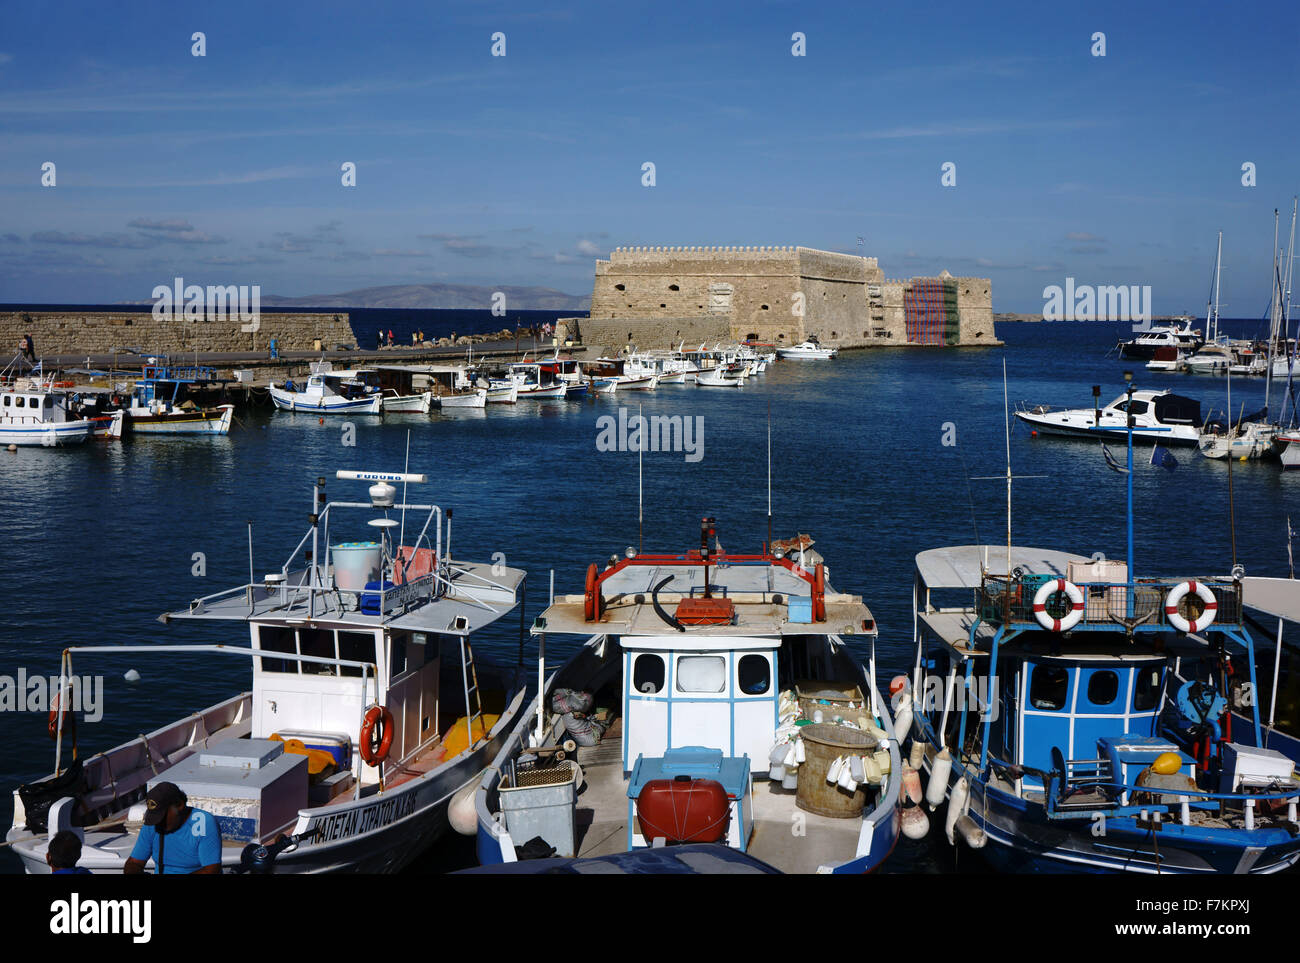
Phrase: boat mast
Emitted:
{"points": [[1218, 265], [1273, 320], [1006, 412]]}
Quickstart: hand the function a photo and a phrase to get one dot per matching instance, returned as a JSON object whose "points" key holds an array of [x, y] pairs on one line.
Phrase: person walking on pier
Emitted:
{"points": [[390, 337], [379, 340]]}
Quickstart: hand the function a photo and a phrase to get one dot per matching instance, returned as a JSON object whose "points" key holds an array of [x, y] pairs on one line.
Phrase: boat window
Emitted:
{"points": [[20, 401], [701, 673], [320, 643], [754, 675], [355, 647], [1146, 691], [1140, 407], [1103, 687], [6, 401], [276, 639], [49, 402], [648, 674], [1048, 687], [397, 657]]}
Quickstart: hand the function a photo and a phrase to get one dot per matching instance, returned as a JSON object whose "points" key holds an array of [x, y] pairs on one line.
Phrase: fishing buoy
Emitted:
{"points": [[916, 824], [791, 779], [321, 420], [940, 770], [1033, 434], [970, 834], [1167, 763], [957, 802], [13, 447], [897, 684], [131, 675], [918, 755], [911, 788], [833, 770], [776, 761], [903, 717], [460, 813]]}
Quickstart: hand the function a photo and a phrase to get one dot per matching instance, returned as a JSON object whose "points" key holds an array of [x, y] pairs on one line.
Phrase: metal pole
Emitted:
{"points": [[1128, 412]]}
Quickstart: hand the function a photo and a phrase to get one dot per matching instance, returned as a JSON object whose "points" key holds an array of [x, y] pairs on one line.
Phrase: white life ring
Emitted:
{"points": [[1072, 618], [1176, 596]]}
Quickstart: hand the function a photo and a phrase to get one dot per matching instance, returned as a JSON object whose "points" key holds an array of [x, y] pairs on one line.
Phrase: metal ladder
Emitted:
{"points": [[473, 704]]}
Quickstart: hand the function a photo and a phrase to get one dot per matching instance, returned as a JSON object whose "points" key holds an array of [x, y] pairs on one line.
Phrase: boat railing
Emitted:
{"points": [[1010, 602], [1115, 799], [368, 681]]}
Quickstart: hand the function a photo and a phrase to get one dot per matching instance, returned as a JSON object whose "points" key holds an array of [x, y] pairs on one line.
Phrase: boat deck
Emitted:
{"points": [[786, 837]]}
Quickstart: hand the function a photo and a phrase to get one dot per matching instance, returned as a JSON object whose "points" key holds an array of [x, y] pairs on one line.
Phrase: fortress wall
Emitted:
{"points": [[75, 332]]}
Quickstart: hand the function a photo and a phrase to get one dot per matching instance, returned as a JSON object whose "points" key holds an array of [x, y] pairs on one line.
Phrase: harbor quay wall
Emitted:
{"points": [[77, 332], [774, 294]]}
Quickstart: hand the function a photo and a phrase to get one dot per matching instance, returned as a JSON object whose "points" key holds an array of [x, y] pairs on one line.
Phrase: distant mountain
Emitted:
{"points": [[436, 296]]}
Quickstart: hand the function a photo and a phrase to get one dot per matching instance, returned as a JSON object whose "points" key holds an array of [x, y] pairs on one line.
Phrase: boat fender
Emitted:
{"points": [[918, 755], [969, 832], [846, 780], [1072, 617], [882, 760], [800, 753], [856, 769], [789, 761], [958, 800], [897, 684], [460, 812], [819, 593], [791, 779], [940, 770], [1204, 594], [374, 751], [911, 788], [871, 769], [916, 824], [903, 717]]}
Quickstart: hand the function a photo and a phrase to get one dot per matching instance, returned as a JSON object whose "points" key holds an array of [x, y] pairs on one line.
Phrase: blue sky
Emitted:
{"points": [[523, 169]]}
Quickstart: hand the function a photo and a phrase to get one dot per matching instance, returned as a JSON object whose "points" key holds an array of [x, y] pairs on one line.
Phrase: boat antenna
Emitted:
{"points": [[769, 473], [252, 578], [401, 538], [640, 482]]}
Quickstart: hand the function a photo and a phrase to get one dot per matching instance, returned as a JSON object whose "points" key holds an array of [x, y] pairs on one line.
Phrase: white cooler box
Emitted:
{"points": [[251, 786], [1246, 767]]}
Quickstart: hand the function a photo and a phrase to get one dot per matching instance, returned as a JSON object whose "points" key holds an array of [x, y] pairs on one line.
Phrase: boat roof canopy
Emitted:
{"points": [[963, 566], [1278, 597]]}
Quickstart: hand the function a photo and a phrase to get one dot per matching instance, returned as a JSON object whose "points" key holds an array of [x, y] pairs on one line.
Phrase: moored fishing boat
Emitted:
{"points": [[328, 393], [720, 377], [34, 415], [713, 697], [367, 711], [162, 402]]}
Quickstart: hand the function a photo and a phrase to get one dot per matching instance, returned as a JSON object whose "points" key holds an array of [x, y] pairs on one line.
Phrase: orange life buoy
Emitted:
{"points": [[592, 603], [69, 720], [819, 593], [373, 754]]}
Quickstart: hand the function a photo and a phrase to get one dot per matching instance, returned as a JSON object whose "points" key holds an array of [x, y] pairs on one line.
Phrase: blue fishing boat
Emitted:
{"points": [[1077, 718], [163, 402], [714, 700]]}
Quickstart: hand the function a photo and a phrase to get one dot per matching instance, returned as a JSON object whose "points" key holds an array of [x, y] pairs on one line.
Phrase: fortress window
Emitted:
{"points": [[620, 287], [674, 287], [765, 307], [662, 305], [835, 334]]}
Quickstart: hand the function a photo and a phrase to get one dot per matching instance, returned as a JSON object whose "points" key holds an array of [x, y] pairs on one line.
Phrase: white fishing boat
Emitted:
{"points": [[719, 378], [329, 393], [1159, 416], [472, 398], [810, 350], [366, 716], [630, 375], [502, 394], [534, 381], [32, 414], [714, 700]]}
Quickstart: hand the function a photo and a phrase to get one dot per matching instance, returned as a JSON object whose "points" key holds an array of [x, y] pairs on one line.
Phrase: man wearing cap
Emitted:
{"points": [[178, 838]]}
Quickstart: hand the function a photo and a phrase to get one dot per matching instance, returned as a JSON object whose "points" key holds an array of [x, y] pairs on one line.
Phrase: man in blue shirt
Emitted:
{"points": [[178, 838]]}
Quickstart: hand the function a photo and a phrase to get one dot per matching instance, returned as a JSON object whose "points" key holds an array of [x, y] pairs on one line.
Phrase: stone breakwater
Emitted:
{"points": [[98, 333]]}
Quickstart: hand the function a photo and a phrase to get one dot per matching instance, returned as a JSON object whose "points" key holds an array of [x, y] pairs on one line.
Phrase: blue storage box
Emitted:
{"points": [[372, 598], [800, 609]]}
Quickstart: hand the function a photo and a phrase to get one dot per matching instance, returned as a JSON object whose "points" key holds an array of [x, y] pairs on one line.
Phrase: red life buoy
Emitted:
{"points": [[1071, 618], [371, 753], [69, 720], [592, 604], [1207, 615], [819, 593]]}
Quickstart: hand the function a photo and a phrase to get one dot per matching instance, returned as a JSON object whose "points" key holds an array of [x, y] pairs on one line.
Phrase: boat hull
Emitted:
{"points": [[54, 435], [203, 421], [335, 405], [1179, 435], [408, 404]]}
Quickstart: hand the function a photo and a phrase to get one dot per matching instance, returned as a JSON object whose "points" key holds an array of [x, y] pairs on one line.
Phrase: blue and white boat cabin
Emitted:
{"points": [[675, 705], [1087, 715]]}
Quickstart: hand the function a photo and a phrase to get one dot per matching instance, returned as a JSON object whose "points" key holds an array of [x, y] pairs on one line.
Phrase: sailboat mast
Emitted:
{"points": [[1006, 411], [1218, 266], [1273, 319]]}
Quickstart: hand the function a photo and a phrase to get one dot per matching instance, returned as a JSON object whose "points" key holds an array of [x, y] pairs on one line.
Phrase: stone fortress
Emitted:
{"points": [[656, 297]]}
